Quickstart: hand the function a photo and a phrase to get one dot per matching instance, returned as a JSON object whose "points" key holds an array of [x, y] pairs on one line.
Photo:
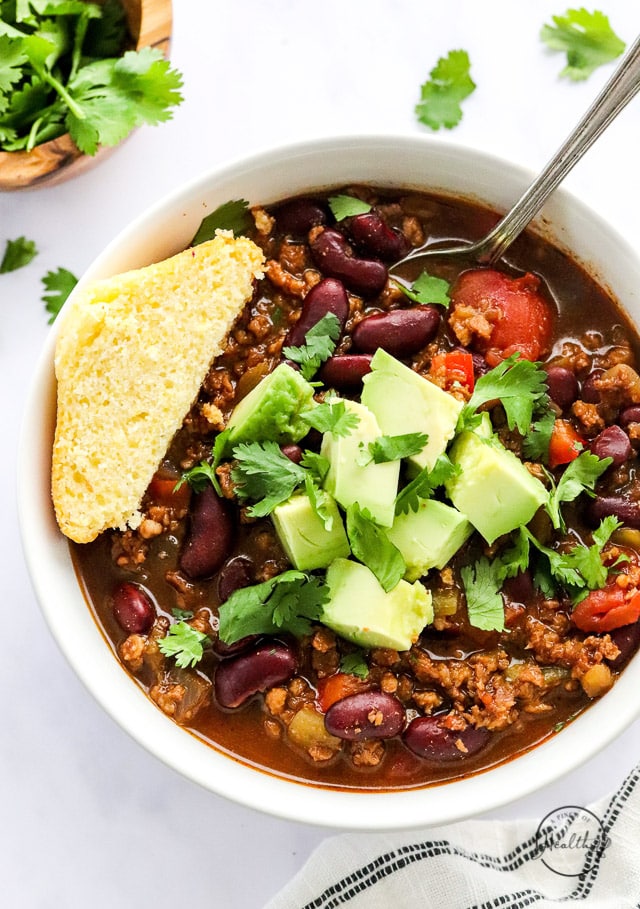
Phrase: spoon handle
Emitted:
{"points": [[618, 91]]}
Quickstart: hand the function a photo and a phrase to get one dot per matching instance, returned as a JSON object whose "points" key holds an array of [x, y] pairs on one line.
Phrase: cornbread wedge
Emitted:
{"points": [[130, 358]]}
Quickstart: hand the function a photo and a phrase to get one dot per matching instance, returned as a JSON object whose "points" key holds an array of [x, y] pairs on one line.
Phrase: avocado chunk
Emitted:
{"points": [[360, 611], [404, 401], [493, 488], [372, 486], [303, 535], [429, 537], [271, 411]]}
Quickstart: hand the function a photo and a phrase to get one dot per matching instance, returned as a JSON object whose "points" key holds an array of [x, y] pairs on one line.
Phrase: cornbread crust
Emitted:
{"points": [[131, 355]]}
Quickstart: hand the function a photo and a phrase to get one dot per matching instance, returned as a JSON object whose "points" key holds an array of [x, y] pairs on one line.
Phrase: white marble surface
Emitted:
{"points": [[88, 819]]}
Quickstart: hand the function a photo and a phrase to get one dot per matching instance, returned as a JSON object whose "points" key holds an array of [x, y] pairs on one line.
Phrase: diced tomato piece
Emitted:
{"points": [[453, 368], [499, 315], [565, 444], [338, 686], [606, 609], [162, 490]]}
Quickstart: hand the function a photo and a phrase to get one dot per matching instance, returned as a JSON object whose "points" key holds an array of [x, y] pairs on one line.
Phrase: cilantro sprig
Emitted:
{"points": [[427, 289], [422, 486], [448, 85], [289, 602], [519, 385], [57, 287], [17, 254], [263, 474], [579, 476], [482, 584], [184, 643], [64, 68], [234, 216], [586, 37], [343, 206], [371, 546], [332, 416], [319, 344], [392, 448]]}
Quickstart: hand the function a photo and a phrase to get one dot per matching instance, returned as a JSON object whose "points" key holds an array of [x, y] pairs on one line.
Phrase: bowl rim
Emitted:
{"points": [[54, 580]]}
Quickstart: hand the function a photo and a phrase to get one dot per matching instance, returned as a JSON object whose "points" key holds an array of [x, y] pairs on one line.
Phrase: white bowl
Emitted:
{"points": [[167, 228]]}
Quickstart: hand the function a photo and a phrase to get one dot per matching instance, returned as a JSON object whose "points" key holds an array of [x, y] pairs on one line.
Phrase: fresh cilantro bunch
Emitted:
{"points": [[587, 39], [64, 67]]}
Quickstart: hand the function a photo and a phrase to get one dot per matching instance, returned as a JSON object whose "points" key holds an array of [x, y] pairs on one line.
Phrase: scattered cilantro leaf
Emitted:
{"points": [[319, 501], [265, 475], [333, 417], [519, 384], [319, 344], [288, 602], [316, 463], [343, 206], [205, 472], [536, 442], [424, 483], [427, 289], [482, 584], [586, 37], [371, 546], [17, 254], [449, 83], [185, 614], [58, 285], [579, 476], [184, 643], [394, 448], [234, 216], [355, 664]]}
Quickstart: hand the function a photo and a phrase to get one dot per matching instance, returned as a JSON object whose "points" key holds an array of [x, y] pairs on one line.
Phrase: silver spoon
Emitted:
{"points": [[618, 91]]}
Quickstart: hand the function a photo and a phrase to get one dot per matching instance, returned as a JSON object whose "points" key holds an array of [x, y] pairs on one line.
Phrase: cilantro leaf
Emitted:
{"points": [[343, 206], [371, 546], [288, 602], [536, 442], [184, 643], [449, 83], [265, 475], [519, 384], [319, 344], [319, 501], [17, 254], [234, 216], [333, 417], [58, 285], [579, 476], [355, 664], [423, 485], [12, 60], [427, 289], [587, 38], [482, 583], [394, 448], [205, 472], [317, 464], [107, 34]]}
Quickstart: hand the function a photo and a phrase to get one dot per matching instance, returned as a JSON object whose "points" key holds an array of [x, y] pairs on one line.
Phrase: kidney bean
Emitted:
{"points": [[327, 296], [629, 415], [623, 508], [299, 216], [401, 332], [366, 715], [333, 255], [563, 386], [346, 371], [210, 534], [589, 392], [240, 677], [293, 452], [234, 575], [612, 442], [626, 639], [426, 737], [371, 233], [133, 608]]}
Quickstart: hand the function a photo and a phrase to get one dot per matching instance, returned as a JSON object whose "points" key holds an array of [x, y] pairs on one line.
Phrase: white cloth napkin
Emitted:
{"points": [[589, 856]]}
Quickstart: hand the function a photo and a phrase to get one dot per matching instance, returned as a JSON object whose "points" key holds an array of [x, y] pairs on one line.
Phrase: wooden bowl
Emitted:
{"points": [[52, 162]]}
